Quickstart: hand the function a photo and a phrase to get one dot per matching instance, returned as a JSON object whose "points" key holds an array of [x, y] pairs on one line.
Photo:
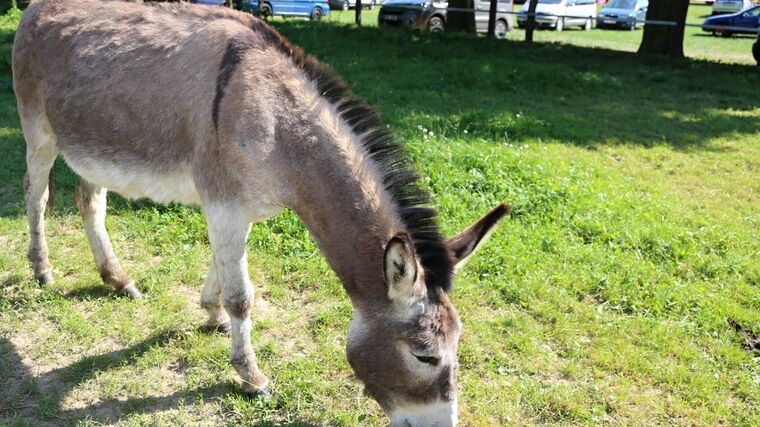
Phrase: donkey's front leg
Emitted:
{"points": [[211, 301], [228, 230]]}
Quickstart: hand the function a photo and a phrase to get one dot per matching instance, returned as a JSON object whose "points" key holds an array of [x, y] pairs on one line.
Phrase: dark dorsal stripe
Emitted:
{"points": [[399, 179], [231, 59]]}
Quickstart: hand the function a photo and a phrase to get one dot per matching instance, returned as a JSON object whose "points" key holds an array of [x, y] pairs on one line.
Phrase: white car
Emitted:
{"points": [[723, 7], [560, 14]]}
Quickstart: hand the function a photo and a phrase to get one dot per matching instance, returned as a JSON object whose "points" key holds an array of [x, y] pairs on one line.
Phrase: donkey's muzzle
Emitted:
{"points": [[436, 414]]}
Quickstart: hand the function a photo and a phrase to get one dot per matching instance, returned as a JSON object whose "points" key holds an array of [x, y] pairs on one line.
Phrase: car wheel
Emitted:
{"points": [[560, 25], [725, 33], [501, 29], [587, 25], [436, 25], [316, 14], [266, 10]]}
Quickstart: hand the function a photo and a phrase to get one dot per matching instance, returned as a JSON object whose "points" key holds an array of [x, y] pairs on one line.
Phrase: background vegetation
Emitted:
{"points": [[606, 298]]}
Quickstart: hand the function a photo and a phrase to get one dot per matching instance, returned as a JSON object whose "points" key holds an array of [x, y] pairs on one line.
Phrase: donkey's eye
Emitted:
{"points": [[432, 361]]}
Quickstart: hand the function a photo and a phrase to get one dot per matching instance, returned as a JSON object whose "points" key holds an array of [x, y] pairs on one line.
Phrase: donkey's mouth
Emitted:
{"points": [[438, 414]]}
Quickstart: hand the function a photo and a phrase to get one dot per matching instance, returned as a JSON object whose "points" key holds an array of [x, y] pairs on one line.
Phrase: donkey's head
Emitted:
{"points": [[405, 350]]}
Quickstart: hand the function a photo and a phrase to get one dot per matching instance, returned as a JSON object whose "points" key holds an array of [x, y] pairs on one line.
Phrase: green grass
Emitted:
{"points": [[604, 299]]}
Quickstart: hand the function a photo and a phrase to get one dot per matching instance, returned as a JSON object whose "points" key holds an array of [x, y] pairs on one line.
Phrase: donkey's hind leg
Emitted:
{"points": [[91, 201], [211, 301], [41, 152]]}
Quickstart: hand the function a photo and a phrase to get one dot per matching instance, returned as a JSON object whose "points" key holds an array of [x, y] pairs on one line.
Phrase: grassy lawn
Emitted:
{"points": [[605, 299]]}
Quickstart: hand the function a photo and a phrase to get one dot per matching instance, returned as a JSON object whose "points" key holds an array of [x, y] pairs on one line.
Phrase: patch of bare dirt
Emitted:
{"points": [[290, 329], [95, 384], [193, 296]]}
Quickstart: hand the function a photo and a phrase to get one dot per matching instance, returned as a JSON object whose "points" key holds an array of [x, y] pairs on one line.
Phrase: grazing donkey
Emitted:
{"points": [[211, 107]]}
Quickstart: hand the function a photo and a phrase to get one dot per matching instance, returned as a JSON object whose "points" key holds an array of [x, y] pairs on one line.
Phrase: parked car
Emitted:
{"points": [[312, 9], [746, 21], [431, 16], [209, 2], [724, 7], [351, 4], [560, 14], [628, 14]]}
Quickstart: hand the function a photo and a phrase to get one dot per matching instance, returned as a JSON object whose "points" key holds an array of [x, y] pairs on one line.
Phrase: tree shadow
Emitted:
{"points": [[510, 91], [36, 399]]}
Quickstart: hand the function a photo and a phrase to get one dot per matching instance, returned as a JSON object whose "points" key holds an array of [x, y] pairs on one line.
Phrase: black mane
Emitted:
{"points": [[399, 178]]}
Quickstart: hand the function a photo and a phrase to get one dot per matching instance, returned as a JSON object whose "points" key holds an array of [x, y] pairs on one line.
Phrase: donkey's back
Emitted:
{"points": [[122, 90]]}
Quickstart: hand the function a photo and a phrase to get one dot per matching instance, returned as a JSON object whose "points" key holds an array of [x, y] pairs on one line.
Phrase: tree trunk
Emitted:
{"points": [[492, 19], [530, 24], [665, 39], [460, 21], [358, 12]]}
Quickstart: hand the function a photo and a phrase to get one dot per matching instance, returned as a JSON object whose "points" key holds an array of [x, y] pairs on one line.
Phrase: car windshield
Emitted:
{"points": [[622, 4]]}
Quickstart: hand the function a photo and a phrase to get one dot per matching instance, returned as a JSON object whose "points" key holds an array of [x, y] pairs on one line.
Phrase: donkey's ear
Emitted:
{"points": [[466, 242], [400, 266]]}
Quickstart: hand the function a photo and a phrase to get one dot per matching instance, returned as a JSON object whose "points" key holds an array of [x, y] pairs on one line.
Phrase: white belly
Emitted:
{"points": [[162, 187]]}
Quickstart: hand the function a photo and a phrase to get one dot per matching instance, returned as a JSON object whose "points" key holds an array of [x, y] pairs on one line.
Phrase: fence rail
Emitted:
{"points": [[717, 28]]}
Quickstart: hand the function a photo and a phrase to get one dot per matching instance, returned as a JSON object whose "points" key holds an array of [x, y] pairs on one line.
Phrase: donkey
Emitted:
{"points": [[212, 107]]}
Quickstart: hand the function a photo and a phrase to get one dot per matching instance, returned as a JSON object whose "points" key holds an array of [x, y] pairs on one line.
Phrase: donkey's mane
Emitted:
{"points": [[411, 201]]}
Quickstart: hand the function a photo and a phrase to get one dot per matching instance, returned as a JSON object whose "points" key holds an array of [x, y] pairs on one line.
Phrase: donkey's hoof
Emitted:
{"points": [[256, 393], [132, 292], [45, 278], [222, 328]]}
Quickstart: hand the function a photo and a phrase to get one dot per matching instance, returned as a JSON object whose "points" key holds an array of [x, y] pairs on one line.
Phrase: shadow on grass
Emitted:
{"points": [[33, 399], [511, 91], [96, 291], [500, 91], [734, 35]]}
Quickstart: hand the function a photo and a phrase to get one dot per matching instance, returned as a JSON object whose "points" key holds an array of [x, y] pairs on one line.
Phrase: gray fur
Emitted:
{"points": [[147, 101]]}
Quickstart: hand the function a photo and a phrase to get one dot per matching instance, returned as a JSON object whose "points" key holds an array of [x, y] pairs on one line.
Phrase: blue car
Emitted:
{"points": [[746, 21], [312, 9]]}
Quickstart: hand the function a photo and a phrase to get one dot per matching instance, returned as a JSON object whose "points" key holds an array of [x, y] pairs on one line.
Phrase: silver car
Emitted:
{"points": [[628, 14], [723, 7]]}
